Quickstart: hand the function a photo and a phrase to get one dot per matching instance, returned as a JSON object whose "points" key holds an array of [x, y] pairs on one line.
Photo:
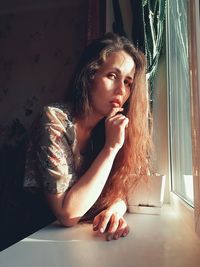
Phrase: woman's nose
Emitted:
{"points": [[120, 88]]}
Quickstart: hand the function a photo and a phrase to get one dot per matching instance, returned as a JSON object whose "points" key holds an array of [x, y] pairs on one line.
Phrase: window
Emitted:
{"points": [[179, 101], [183, 54]]}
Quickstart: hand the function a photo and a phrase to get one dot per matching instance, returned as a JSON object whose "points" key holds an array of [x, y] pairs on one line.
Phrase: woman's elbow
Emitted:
{"points": [[68, 221]]}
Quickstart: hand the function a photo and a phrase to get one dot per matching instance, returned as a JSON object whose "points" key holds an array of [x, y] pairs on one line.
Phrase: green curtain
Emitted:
{"points": [[147, 30]]}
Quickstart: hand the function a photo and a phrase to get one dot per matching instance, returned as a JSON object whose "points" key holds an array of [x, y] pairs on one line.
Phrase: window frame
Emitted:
{"points": [[194, 67]]}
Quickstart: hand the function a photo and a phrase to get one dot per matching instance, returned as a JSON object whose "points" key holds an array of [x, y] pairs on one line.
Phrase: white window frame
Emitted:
{"points": [[191, 216], [194, 65]]}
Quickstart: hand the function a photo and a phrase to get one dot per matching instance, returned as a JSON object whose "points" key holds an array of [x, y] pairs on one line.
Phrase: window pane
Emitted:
{"points": [[179, 100]]}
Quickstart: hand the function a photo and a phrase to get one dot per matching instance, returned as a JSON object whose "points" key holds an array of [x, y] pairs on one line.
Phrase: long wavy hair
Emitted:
{"points": [[133, 159]]}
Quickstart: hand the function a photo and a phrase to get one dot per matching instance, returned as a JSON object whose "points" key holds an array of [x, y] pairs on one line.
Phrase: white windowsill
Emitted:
{"points": [[155, 241], [183, 210]]}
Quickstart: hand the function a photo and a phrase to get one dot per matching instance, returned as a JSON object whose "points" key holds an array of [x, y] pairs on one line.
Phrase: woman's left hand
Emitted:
{"points": [[112, 224]]}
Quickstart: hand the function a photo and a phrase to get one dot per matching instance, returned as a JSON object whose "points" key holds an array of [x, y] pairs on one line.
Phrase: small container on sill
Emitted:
{"points": [[148, 195]]}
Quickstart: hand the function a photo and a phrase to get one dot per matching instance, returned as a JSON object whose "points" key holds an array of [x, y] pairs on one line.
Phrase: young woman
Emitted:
{"points": [[87, 148]]}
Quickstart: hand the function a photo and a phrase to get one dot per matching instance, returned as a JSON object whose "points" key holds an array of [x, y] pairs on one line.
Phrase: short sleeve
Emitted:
{"points": [[54, 153]]}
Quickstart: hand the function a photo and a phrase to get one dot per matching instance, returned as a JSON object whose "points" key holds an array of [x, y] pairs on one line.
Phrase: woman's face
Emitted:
{"points": [[111, 86]]}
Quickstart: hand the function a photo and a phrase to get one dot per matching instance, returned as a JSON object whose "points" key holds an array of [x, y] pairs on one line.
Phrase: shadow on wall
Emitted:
{"points": [[38, 50]]}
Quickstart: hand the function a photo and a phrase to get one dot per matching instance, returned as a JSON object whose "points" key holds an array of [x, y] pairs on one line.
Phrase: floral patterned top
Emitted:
{"points": [[53, 161]]}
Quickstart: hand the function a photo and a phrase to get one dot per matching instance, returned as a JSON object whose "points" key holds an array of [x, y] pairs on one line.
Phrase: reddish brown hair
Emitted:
{"points": [[133, 159]]}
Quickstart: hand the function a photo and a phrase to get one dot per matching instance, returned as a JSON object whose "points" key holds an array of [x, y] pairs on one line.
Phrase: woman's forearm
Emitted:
{"points": [[86, 191]]}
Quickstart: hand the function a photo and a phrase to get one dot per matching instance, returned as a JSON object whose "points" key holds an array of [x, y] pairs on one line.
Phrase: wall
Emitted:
{"points": [[160, 120], [125, 7], [40, 42], [39, 47]]}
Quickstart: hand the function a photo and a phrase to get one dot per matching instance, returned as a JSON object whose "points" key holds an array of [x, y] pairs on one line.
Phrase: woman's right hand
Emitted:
{"points": [[115, 125]]}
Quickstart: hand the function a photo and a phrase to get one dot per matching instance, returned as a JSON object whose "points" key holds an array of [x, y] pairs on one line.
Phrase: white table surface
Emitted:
{"points": [[154, 241]]}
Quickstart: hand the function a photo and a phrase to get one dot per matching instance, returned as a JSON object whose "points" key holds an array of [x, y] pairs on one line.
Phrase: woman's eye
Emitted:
{"points": [[112, 76], [127, 83]]}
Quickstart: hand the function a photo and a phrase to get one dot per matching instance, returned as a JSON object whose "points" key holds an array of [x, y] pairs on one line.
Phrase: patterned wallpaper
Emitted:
{"points": [[38, 50]]}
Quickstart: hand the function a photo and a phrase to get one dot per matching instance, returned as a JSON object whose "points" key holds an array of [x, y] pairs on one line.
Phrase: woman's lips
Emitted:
{"points": [[115, 103]]}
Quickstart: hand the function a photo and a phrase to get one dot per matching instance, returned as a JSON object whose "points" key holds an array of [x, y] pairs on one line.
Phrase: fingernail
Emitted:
{"points": [[116, 236], [109, 237], [101, 230]]}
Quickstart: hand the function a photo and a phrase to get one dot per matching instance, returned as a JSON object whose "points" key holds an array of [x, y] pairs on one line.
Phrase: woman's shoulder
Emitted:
{"points": [[58, 112]]}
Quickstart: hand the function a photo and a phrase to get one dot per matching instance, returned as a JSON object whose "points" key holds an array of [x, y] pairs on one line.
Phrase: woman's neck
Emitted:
{"points": [[88, 123], [84, 127]]}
